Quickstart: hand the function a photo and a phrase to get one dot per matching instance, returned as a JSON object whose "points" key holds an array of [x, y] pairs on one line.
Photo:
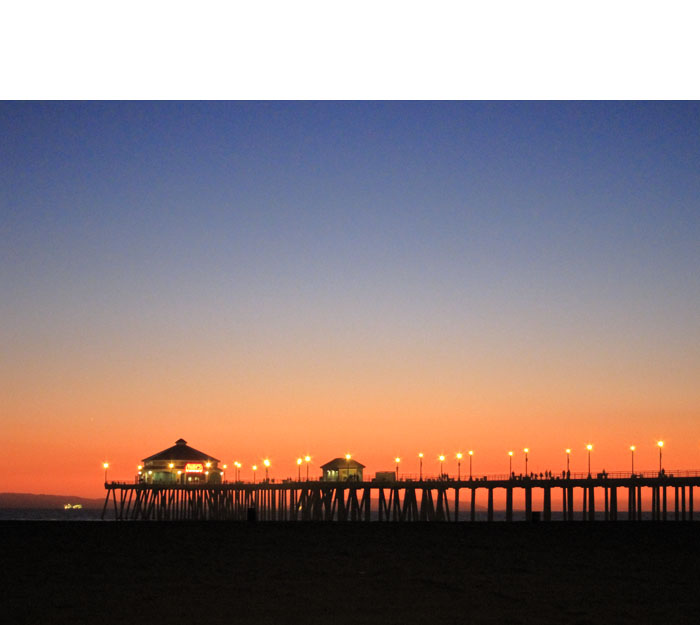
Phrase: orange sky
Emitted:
{"points": [[59, 434]]}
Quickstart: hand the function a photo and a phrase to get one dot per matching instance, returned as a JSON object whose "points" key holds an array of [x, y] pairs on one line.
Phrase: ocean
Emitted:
{"points": [[49, 514]]}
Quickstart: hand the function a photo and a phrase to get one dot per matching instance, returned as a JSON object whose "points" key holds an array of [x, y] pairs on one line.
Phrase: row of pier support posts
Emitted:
{"points": [[397, 503]]}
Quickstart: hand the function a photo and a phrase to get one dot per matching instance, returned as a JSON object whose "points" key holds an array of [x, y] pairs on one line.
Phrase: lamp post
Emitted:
{"points": [[307, 459], [255, 468], [510, 464], [632, 448], [105, 466], [223, 473], [420, 460], [459, 466], [471, 455], [238, 466], [347, 470], [442, 459], [266, 462], [568, 454], [526, 450], [661, 446], [589, 447], [299, 461], [397, 459]]}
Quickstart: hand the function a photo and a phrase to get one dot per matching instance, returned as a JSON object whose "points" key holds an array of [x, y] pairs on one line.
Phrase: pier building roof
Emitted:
{"points": [[181, 451], [342, 463]]}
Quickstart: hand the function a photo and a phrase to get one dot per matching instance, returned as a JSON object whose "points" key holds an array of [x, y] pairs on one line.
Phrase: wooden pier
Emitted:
{"points": [[665, 497]]}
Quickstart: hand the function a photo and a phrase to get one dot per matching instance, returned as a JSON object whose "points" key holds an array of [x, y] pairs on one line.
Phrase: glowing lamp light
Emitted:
{"points": [[206, 473], [660, 443], [589, 447], [105, 465], [397, 459], [632, 448], [420, 455], [526, 450], [266, 462], [510, 453], [471, 453], [255, 467], [225, 466], [299, 460], [140, 467], [348, 456], [568, 451], [307, 458], [441, 458], [171, 465], [179, 472], [459, 455], [208, 464]]}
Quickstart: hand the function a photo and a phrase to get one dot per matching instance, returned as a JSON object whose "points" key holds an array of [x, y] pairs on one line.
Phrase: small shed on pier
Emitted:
{"points": [[180, 464], [342, 470]]}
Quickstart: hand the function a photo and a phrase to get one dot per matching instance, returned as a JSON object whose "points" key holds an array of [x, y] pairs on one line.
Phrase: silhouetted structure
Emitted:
{"points": [[428, 500], [342, 470], [180, 464]]}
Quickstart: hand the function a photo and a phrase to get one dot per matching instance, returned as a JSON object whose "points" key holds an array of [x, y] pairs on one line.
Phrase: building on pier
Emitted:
{"points": [[180, 464], [342, 470]]}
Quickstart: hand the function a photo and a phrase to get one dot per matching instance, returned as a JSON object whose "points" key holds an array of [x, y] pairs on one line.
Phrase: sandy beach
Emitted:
{"points": [[213, 573]]}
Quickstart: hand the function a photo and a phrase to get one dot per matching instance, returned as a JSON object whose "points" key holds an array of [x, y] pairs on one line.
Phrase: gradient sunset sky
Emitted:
{"points": [[275, 279]]}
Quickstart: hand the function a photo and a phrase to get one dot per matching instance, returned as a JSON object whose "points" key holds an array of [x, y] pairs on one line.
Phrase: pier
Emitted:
{"points": [[605, 497]]}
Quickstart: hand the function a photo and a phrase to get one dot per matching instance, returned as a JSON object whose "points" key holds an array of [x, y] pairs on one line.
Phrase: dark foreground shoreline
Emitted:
{"points": [[211, 573]]}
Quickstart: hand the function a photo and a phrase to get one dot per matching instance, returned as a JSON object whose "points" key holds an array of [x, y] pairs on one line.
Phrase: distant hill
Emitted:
{"points": [[28, 500]]}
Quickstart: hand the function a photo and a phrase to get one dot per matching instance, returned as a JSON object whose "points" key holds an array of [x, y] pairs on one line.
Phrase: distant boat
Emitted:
{"points": [[75, 506]]}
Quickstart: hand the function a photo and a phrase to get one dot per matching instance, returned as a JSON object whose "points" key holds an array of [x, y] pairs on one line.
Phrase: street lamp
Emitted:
{"points": [[526, 450], [471, 455], [347, 471], [307, 459], [568, 454], [442, 459], [397, 459], [420, 460], [299, 461], [459, 466], [589, 447], [632, 448], [105, 466], [661, 445], [266, 462], [510, 464], [238, 466], [255, 468]]}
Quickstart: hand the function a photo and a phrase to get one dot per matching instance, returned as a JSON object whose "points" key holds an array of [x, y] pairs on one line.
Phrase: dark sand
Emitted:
{"points": [[210, 573]]}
